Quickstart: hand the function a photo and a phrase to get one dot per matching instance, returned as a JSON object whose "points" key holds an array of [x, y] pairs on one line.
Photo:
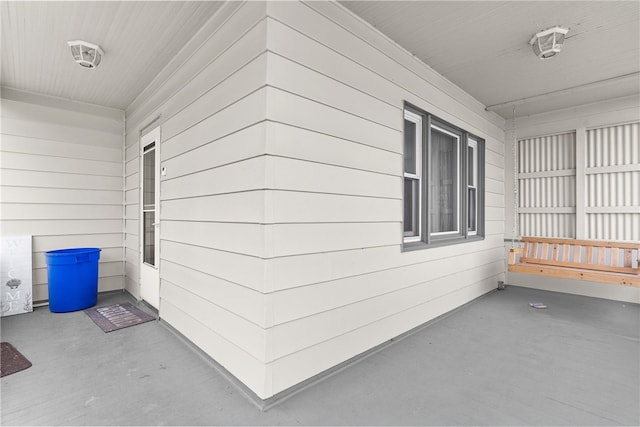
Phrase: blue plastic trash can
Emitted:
{"points": [[73, 278]]}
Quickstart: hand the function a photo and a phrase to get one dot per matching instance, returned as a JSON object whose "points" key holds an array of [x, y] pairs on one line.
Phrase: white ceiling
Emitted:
{"points": [[482, 46], [138, 38]]}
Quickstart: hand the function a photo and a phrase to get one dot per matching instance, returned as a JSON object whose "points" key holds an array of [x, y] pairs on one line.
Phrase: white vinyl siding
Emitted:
{"points": [[337, 280], [61, 181], [211, 111]]}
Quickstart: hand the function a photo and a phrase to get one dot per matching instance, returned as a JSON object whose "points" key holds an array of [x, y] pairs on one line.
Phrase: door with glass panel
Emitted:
{"points": [[149, 217]]}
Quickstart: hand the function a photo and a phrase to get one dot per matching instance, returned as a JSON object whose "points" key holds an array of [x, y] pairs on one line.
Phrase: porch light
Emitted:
{"points": [[549, 42], [86, 54]]}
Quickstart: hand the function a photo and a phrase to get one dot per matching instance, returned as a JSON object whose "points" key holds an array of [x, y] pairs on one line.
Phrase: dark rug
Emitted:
{"points": [[11, 361], [118, 316]]}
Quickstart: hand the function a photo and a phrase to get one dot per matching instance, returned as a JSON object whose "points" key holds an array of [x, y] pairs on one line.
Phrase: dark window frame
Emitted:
{"points": [[464, 233]]}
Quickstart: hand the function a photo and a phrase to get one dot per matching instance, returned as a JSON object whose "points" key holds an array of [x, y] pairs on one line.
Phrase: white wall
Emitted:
{"points": [[281, 209], [338, 282], [210, 104], [621, 115], [61, 181]]}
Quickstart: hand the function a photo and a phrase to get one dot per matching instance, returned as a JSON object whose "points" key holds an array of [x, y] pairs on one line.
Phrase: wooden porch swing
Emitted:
{"points": [[590, 260]]}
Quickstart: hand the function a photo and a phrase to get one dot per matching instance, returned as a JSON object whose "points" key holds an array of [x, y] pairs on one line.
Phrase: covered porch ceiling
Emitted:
{"points": [[481, 46]]}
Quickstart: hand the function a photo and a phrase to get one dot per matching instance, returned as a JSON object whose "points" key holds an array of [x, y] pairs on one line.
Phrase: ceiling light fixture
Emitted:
{"points": [[548, 43], [86, 54]]}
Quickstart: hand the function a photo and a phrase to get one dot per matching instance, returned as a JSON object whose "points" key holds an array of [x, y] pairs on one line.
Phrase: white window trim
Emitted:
{"points": [[417, 119], [457, 187], [474, 144]]}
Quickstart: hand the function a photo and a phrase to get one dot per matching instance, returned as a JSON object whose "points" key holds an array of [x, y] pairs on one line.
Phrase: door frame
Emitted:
{"points": [[149, 275]]}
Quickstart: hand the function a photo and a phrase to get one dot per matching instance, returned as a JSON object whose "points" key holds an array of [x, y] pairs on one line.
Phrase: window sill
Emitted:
{"points": [[416, 246]]}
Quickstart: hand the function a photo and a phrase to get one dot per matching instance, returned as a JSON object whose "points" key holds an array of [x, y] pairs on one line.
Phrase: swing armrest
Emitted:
{"points": [[513, 254]]}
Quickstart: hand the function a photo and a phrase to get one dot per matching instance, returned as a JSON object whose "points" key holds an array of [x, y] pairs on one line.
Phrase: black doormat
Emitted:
{"points": [[11, 361], [118, 316]]}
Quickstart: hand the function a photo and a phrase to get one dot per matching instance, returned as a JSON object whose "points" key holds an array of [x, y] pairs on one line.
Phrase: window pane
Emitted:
{"points": [[149, 237], [473, 211], [411, 207], [471, 164], [443, 182], [410, 130]]}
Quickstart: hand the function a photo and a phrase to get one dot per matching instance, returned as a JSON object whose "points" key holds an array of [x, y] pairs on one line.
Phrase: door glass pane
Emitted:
{"points": [[149, 179], [149, 205], [149, 238], [410, 147], [443, 182]]}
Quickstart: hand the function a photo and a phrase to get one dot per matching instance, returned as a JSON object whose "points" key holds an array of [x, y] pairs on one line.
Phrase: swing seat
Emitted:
{"points": [[591, 260]]}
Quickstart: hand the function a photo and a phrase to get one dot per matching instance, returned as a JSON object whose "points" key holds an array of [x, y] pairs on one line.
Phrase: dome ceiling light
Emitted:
{"points": [[86, 54], [548, 43]]}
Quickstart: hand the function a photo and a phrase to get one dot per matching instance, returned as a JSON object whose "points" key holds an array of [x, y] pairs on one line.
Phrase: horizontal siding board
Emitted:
{"points": [[132, 152], [43, 243], [131, 226], [241, 145], [245, 207], [290, 174], [290, 44], [132, 167], [247, 111], [246, 80], [302, 207], [37, 162], [304, 364], [49, 110], [64, 196], [241, 269], [293, 142], [289, 272], [245, 367], [236, 177], [300, 302], [303, 81], [291, 337], [244, 302], [45, 180], [213, 76], [47, 147], [31, 211], [248, 336], [62, 133], [132, 196], [297, 239], [61, 227], [247, 239], [297, 111]]}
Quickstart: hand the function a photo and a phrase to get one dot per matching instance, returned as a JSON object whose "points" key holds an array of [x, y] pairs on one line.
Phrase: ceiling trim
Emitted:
{"points": [[586, 86]]}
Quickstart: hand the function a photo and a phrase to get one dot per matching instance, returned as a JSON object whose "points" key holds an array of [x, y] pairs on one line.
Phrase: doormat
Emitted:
{"points": [[118, 316], [11, 360]]}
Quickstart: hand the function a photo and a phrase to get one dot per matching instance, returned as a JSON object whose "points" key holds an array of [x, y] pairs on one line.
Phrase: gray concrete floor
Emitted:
{"points": [[495, 361]]}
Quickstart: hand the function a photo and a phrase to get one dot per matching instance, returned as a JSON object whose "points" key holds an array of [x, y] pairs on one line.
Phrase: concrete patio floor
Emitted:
{"points": [[495, 361]]}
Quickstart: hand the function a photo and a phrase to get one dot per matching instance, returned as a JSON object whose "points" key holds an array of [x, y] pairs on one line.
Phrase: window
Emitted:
{"points": [[443, 182]]}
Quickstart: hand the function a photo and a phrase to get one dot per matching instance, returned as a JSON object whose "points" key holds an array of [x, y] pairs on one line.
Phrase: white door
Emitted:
{"points": [[150, 217]]}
